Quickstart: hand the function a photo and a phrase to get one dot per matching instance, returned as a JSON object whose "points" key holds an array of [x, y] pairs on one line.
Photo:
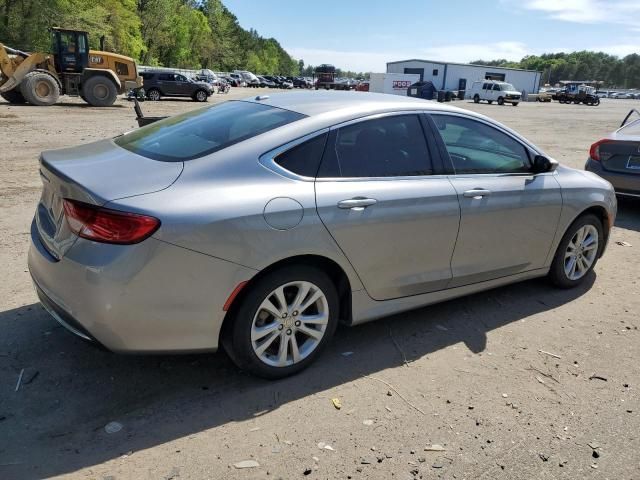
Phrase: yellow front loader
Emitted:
{"points": [[72, 69]]}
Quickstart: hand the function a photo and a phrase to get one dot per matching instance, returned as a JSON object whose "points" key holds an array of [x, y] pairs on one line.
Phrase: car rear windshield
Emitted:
{"points": [[632, 128], [201, 132]]}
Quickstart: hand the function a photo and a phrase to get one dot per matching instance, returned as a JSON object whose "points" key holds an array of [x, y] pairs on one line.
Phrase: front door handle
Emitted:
{"points": [[477, 193], [357, 203]]}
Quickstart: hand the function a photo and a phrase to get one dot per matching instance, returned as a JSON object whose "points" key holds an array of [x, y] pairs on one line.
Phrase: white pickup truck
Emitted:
{"points": [[494, 91]]}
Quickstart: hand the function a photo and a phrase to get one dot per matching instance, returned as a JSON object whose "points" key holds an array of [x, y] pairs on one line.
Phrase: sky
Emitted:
{"points": [[363, 35]]}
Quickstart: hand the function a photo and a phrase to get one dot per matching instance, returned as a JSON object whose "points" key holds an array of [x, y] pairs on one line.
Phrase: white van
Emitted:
{"points": [[494, 91]]}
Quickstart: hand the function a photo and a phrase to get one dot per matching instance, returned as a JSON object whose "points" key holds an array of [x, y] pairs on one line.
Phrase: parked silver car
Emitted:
{"points": [[616, 157], [260, 224]]}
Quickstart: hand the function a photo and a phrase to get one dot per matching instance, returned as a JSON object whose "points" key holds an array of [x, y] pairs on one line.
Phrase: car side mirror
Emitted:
{"points": [[542, 164]]}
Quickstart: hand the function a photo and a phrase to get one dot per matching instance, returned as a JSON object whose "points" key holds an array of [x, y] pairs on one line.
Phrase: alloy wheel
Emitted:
{"points": [[289, 324], [581, 252]]}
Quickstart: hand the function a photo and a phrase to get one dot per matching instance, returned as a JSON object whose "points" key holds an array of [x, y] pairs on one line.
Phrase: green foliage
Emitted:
{"points": [[24, 24], [308, 70], [583, 65], [174, 33]]}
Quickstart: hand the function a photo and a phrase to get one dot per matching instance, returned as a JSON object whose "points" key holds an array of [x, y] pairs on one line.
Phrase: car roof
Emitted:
{"points": [[354, 104], [164, 71]]}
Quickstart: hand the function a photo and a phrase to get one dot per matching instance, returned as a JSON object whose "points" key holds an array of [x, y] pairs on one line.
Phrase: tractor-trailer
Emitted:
{"points": [[393, 83]]}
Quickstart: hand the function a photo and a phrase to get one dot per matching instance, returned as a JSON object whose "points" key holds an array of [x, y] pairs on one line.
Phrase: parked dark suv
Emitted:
{"points": [[168, 84]]}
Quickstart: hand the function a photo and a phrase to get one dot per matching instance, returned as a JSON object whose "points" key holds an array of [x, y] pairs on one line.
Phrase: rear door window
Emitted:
{"points": [[200, 132], [393, 146]]}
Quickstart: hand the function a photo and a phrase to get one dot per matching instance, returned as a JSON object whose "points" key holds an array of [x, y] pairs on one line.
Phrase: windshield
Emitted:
{"points": [[200, 132], [507, 87]]}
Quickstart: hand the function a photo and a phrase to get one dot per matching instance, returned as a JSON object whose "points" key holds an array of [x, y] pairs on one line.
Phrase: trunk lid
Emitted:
{"points": [[621, 156], [96, 174]]}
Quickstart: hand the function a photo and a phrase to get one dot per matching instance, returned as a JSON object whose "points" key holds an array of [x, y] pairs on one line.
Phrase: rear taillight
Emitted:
{"points": [[594, 151], [106, 225]]}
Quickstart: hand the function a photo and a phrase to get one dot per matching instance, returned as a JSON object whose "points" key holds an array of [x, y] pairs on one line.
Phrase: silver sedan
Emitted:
{"points": [[260, 224]]}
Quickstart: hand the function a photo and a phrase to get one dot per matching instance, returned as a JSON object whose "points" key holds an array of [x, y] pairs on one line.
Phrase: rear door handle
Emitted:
{"points": [[358, 203], [477, 193]]}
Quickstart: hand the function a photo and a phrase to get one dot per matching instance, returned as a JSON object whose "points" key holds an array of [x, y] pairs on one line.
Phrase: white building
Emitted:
{"points": [[460, 76], [393, 83]]}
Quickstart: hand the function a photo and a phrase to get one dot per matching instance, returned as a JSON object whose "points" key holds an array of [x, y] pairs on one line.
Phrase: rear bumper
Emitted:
{"points": [[149, 297], [624, 183], [61, 316]]}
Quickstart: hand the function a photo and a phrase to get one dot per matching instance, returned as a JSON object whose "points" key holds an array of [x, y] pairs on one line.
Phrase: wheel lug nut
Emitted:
{"points": [[295, 313], [284, 315], [280, 327], [289, 331], [298, 323]]}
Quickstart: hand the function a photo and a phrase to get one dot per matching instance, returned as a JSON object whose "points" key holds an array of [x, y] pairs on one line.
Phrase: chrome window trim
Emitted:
{"points": [[375, 116], [380, 179], [267, 160]]}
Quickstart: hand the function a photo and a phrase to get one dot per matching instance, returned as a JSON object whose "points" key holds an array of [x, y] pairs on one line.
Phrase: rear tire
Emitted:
{"points": [[39, 88], [489, 102], [100, 91], [154, 95], [254, 340], [14, 96], [576, 252]]}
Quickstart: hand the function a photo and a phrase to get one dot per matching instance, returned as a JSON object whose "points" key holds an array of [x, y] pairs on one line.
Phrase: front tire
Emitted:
{"points": [[200, 96], [500, 101], [100, 91], [515, 104], [283, 322], [39, 88], [578, 252], [476, 98]]}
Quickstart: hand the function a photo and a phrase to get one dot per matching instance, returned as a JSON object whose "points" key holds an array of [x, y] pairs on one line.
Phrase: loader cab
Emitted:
{"points": [[70, 49]]}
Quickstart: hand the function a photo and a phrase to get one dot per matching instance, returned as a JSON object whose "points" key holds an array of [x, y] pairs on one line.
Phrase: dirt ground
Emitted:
{"points": [[468, 375]]}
